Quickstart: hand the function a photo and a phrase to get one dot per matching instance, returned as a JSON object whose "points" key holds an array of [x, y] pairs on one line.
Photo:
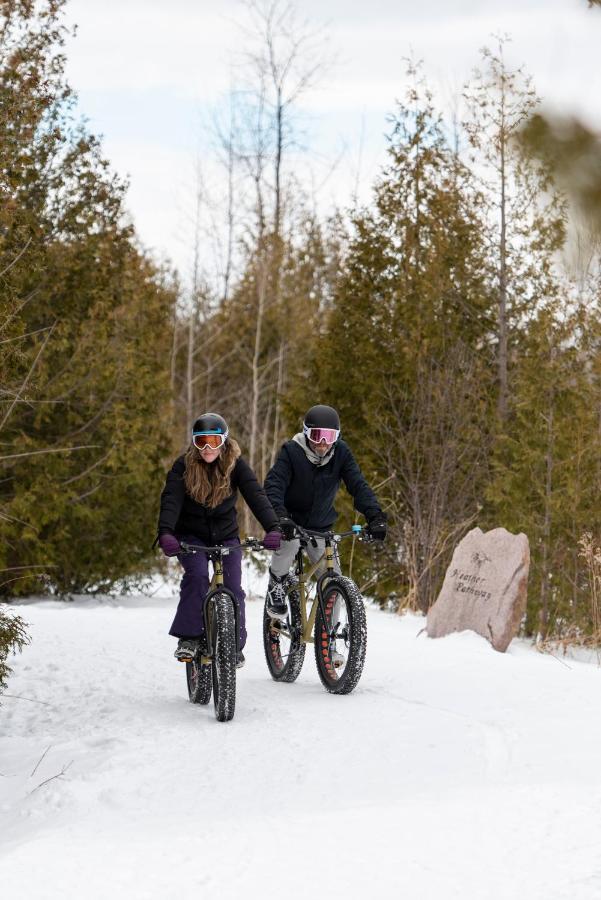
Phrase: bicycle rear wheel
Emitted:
{"points": [[284, 651], [223, 632], [341, 641], [199, 680]]}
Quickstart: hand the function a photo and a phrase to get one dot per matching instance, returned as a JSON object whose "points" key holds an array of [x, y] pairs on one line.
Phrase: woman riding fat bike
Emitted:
{"points": [[198, 507], [213, 666]]}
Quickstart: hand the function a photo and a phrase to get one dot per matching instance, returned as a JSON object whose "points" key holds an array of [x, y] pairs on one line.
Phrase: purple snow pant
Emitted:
{"points": [[189, 618]]}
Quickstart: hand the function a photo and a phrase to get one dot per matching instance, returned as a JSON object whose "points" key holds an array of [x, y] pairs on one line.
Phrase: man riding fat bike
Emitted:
{"points": [[302, 485]]}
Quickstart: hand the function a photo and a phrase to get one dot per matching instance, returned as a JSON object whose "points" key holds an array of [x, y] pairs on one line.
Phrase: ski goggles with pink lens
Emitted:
{"points": [[209, 439], [319, 435]]}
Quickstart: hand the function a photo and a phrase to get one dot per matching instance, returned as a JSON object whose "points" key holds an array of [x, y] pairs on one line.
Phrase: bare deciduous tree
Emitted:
{"points": [[436, 445], [500, 102]]}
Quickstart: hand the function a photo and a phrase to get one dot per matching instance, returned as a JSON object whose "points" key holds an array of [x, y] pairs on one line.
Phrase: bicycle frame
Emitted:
{"points": [[216, 586], [308, 621], [308, 618]]}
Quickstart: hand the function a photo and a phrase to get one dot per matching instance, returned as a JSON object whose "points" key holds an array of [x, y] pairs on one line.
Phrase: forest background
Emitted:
{"points": [[453, 319]]}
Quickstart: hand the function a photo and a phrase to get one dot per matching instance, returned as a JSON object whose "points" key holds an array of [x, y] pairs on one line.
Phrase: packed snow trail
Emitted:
{"points": [[452, 771]]}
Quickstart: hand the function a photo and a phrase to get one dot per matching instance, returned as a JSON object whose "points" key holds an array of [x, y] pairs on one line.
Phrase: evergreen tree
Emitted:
{"points": [[545, 433], [13, 637], [84, 417], [546, 479], [412, 312], [525, 217], [231, 353]]}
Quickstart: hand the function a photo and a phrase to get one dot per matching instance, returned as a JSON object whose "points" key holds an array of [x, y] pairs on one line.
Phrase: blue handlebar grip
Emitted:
{"points": [[357, 528]]}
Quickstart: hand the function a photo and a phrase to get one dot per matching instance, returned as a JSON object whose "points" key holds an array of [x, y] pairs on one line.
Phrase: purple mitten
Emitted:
{"points": [[169, 544], [272, 540]]}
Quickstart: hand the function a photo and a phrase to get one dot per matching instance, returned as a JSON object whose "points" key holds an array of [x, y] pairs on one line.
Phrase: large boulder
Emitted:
{"points": [[485, 587]]}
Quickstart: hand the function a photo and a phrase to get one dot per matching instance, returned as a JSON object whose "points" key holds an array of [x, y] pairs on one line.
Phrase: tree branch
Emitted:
{"points": [[58, 775], [27, 377], [40, 760], [50, 450], [16, 259], [91, 467], [19, 337]]}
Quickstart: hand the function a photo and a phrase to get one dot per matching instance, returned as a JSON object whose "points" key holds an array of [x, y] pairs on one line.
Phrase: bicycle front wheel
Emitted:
{"points": [[341, 641], [223, 632], [284, 650]]}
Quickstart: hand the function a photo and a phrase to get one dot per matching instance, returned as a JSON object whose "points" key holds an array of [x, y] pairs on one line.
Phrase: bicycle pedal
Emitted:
{"points": [[337, 659]]}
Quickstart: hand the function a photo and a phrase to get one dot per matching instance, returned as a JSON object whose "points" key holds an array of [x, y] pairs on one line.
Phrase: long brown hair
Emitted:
{"points": [[209, 483]]}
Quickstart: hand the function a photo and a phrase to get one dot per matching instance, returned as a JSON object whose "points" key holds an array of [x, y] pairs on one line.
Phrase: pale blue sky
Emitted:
{"points": [[149, 72]]}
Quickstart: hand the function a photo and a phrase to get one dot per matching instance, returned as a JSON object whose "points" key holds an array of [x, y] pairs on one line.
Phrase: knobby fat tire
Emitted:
{"points": [[349, 593], [224, 658]]}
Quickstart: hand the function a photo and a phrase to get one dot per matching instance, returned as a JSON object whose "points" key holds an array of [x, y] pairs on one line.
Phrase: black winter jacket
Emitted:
{"points": [[305, 492], [181, 515]]}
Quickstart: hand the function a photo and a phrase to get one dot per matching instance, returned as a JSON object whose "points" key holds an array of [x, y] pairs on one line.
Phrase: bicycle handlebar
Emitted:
{"points": [[250, 543], [358, 531]]}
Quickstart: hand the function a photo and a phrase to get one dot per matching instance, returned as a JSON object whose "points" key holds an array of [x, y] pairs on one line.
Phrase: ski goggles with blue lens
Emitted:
{"points": [[321, 435], [210, 439]]}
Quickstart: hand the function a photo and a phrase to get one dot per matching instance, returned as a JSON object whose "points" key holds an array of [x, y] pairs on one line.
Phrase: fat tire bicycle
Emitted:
{"points": [[212, 669], [335, 623]]}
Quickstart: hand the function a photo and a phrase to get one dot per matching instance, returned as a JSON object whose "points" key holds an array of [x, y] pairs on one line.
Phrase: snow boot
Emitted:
{"points": [[276, 597], [186, 649]]}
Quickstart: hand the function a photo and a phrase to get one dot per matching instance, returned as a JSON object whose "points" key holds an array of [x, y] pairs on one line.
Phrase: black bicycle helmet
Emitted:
{"points": [[322, 417], [210, 423]]}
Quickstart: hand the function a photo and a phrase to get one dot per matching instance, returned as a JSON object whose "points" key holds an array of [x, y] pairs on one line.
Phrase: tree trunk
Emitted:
{"points": [[190, 377], [502, 349], [278, 394], [255, 371], [546, 536], [278, 163]]}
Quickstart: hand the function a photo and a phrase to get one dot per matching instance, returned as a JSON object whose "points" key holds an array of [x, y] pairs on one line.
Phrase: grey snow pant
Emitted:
{"points": [[283, 558]]}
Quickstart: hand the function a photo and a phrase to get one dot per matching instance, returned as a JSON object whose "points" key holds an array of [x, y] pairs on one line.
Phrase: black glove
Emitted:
{"points": [[376, 527], [288, 528]]}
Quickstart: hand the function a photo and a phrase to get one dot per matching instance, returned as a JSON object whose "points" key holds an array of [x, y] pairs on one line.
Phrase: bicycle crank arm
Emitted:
{"points": [[276, 625]]}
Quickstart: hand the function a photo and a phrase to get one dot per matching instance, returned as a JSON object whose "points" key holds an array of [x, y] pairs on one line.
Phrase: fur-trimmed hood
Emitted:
{"points": [[313, 457]]}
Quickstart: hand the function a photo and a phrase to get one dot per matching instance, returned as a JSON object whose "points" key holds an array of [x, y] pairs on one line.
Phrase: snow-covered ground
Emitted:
{"points": [[452, 771]]}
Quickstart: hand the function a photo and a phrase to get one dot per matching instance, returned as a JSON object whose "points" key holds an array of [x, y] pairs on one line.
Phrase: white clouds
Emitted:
{"points": [[141, 45], [147, 70], [559, 47]]}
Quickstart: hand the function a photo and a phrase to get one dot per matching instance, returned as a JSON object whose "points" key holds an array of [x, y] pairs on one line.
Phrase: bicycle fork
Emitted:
{"points": [[308, 622], [217, 587]]}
